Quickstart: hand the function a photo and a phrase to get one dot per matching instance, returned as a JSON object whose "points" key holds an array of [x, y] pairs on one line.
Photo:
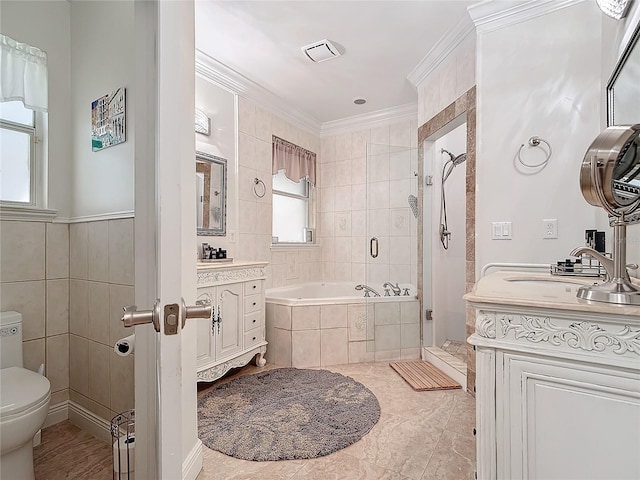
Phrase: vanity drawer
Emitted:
{"points": [[253, 320], [253, 287], [252, 303], [251, 338]]}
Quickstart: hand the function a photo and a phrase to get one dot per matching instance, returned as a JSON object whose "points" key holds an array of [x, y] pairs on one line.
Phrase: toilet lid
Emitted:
{"points": [[20, 389]]}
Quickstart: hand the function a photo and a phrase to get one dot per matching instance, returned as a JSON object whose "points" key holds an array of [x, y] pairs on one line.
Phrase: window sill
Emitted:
{"points": [[283, 247], [27, 213]]}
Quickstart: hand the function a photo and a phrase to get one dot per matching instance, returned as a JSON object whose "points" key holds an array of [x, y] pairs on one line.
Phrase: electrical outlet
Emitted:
{"points": [[549, 228]]}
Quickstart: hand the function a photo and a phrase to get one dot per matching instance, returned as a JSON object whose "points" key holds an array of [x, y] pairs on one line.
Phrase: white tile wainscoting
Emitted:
{"points": [[321, 335]]}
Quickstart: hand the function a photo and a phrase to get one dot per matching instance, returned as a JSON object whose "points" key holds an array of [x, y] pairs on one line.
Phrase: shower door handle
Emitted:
{"points": [[373, 243]]}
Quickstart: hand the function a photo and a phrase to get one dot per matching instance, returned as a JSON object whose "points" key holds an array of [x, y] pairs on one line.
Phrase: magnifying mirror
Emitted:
{"points": [[610, 178]]}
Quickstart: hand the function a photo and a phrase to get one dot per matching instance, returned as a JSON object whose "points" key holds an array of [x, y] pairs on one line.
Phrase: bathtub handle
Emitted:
{"points": [[372, 242]]}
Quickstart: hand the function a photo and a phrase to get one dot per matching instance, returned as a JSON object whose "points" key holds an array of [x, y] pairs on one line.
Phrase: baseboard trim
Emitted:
{"points": [[192, 465], [443, 366], [90, 422], [57, 413]]}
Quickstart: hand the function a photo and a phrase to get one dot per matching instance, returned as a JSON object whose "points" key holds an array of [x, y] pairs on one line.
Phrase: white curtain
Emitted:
{"points": [[23, 74], [296, 161]]}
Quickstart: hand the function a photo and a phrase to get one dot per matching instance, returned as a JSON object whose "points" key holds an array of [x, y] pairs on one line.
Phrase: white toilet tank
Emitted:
{"points": [[10, 339]]}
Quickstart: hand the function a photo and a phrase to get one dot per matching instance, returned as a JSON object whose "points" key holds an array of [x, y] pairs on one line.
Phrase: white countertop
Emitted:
{"points": [[539, 290], [229, 265]]}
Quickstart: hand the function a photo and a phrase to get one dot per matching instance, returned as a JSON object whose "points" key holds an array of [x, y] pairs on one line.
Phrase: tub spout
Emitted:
{"points": [[367, 290]]}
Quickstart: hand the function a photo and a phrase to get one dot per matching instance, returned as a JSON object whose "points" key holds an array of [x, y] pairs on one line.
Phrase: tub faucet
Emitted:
{"points": [[394, 288], [367, 290]]}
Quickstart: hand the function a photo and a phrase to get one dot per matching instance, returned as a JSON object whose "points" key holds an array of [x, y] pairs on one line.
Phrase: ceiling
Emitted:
{"points": [[381, 42]]}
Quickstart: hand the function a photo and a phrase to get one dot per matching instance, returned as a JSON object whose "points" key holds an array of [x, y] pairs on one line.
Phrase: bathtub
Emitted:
{"points": [[329, 323], [333, 293]]}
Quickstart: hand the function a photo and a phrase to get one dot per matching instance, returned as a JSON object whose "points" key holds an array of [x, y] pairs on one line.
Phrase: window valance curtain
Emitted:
{"points": [[23, 74], [297, 162]]}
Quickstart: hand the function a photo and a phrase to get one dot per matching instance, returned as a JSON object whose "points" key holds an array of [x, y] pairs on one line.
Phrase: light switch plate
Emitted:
{"points": [[501, 231]]}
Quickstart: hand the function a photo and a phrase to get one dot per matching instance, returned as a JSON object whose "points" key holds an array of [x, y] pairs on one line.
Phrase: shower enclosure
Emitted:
{"points": [[444, 246], [391, 250]]}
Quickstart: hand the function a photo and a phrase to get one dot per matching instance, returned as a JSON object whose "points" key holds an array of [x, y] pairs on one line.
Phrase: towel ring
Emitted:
{"points": [[256, 182], [535, 142]]}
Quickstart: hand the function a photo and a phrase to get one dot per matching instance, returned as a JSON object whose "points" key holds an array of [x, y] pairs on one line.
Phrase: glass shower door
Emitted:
{"points": [[391, 251]]}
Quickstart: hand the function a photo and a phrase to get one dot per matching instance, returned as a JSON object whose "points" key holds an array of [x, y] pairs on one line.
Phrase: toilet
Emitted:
{"points": [[24, 402]]}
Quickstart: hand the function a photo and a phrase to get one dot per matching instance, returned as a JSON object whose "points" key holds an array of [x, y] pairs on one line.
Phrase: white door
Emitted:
{"points": [[165, 241]]}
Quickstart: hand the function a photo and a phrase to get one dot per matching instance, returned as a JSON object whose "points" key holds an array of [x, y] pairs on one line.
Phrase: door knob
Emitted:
{"points": [[132, 316], [200, 310]]}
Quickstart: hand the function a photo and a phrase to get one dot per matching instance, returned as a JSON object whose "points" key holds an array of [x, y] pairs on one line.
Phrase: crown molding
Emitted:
{"points": [[385, 116], [238, 84], [208, 67], [441, 50], [491, 15]]}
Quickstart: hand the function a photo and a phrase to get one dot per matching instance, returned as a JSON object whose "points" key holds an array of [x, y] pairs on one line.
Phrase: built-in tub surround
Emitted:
{"points": [[306, 330], [557, 380]]}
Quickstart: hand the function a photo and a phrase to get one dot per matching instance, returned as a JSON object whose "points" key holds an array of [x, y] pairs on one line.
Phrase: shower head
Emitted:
{"points": [[459, 159]]}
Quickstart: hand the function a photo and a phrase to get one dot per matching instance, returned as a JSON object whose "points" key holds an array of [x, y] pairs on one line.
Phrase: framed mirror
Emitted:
{"points": [[211, 194], [623, 89]]}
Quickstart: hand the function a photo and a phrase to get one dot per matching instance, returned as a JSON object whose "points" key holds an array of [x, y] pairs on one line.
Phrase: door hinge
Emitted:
{"points": [[428, 314]]}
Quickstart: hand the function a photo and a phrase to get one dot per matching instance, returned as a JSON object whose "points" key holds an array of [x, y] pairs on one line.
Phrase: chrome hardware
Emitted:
{"points": [[405, 292], [367, 290], [607, 263], [428, 314], [171, 316], [373, 241], [132, 316], [200, 310], [395, 288]]}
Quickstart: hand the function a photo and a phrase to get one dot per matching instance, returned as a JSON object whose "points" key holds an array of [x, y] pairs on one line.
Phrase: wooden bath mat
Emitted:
{"points": [[424, 376]]}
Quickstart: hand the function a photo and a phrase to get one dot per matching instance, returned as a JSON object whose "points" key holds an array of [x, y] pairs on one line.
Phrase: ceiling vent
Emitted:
{"points": [[321, 51]]}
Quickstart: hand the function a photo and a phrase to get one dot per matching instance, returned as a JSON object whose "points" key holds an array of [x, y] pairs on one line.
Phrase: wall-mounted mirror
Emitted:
{"points": [[211, 194], [623, 89]]}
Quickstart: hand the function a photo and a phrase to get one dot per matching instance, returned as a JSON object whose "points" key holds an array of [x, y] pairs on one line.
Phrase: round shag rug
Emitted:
{"points": [[286, 414]]}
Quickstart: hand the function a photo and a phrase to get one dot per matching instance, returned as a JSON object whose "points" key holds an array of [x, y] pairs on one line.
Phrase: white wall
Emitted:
{"points": [[448, 266], [219, 105], [46, 25], [103, 59], [536, 78]]}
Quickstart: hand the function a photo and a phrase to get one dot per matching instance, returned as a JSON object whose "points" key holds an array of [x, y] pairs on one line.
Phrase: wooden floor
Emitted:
{"points": [[66, 452]]}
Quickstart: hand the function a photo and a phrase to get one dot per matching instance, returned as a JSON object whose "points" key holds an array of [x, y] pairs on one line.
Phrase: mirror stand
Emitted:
{"points": [[618, 289]]}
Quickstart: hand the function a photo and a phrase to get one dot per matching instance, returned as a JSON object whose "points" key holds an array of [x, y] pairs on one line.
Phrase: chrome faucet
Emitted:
{"points": [[394, 288], [607, 263], [367, 290]]}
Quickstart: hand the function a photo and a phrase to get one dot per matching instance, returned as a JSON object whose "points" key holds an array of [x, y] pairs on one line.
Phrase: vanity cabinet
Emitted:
{"points": [[557, 383], [235, 333]]}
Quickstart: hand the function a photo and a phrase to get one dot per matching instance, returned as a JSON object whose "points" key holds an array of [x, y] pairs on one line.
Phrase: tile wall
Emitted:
{"points": [[321, 335], [101, 282], [256, 127], [34, 280], [350, 185]]}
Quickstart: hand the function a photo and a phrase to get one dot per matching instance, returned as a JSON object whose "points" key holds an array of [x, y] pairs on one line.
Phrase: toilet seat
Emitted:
{"points": [[21, 391]]}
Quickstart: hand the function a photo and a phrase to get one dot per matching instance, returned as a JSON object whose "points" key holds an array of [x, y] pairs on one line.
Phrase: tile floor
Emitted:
{"points": [[420, 436], [455, 348]]}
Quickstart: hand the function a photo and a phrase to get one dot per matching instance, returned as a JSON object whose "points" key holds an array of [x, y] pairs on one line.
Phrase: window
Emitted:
{"points": [[294, 176], [23, 107], [290, 208], [17, 153]]}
